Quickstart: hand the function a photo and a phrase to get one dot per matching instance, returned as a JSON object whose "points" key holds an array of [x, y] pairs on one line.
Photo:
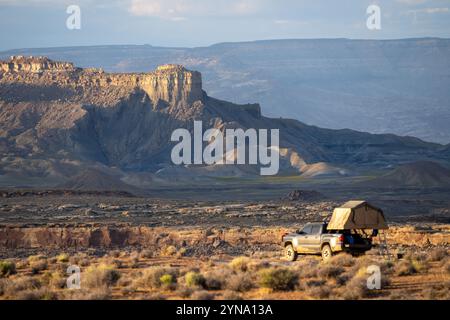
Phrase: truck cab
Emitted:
{"points": [[315, 238]]}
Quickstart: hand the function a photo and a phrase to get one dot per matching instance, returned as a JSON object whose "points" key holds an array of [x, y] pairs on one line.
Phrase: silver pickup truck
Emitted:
{"points": [[314, 238]]}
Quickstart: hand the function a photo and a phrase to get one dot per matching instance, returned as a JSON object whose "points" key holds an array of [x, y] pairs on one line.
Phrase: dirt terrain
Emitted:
{"points": [[142, 248]]}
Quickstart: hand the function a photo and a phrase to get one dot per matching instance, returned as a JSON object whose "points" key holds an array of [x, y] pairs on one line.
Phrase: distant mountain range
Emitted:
{"points": [[377, 86], [59, 121], [424, 174]]}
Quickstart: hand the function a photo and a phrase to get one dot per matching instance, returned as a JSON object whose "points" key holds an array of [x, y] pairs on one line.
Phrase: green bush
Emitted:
{"points": [[194, 279], [63, 257], [7, 268], [277, 279], [152, 276], [168, 281], [240, 264], [38, 266]]}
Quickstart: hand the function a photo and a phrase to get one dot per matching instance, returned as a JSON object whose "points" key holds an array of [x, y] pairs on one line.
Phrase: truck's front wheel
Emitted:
{"points": [[289, 253], [326, 252]]}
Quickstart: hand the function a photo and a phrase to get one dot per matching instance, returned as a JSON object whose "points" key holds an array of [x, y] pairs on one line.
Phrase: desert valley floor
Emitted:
{"points": [[147, 248]]}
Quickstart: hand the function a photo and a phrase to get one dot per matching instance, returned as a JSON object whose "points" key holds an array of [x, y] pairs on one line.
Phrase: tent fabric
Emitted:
{"points": [[357, 215]]}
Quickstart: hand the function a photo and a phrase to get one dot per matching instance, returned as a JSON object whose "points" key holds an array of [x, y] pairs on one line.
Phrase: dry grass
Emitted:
{"points": [[240, 282], [100, 276], [278, 279], [7, 268], [240, 264], [169, 274]]}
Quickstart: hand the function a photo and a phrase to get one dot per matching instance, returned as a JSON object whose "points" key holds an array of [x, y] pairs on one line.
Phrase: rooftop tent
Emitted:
{"points": [[357, 215]]}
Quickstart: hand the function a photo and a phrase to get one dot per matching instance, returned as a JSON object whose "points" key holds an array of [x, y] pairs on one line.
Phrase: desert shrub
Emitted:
{"points": [[437, 291], [100, 276], [447, 266], [319, 292], [356, 289], [63, 257], [308, 267], [342, 260], [3, 285], [414, 256], [151, 277], [255, 266], [315, 283], [202, 295], [182, 252], [84, 262], [57, 280], [409, 267], [330, 271], [277, 279], [240, 264], [125, 281], [155, 296], [185, 292], [7, 268], [215, 280], [114, 253], [13, 288], [134, 263], [38, 266], [36, 294], [102, 293], [194, 279], [54, 280], [231, 295], [169, 251], [35, 258], [146, 254], [342, 279], [239, 282], [168, 281], [437, 254]]}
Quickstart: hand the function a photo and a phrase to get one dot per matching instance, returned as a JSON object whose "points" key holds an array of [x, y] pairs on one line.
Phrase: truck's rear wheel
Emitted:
{"points": [[289, 253], [326, 252]]}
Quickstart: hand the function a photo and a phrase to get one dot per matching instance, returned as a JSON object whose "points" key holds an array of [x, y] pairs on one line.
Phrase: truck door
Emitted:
{"points": [[314, 241], [302, 239]]}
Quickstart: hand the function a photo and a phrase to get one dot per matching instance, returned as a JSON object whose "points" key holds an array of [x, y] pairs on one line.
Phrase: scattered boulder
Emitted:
{"points": [[304, 195]]}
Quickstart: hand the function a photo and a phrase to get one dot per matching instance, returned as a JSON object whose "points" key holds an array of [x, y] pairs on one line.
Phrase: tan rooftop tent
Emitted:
{"points": [[357, 215]]}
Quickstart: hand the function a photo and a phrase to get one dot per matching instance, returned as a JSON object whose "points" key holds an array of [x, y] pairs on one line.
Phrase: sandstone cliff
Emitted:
{"points": [[57, 119], [170, 83]]}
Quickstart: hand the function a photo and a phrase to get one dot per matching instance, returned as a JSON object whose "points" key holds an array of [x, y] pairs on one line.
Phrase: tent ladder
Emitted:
{"points": [[383, 247]]}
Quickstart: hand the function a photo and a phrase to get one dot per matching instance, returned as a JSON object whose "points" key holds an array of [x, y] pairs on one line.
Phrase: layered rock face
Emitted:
{"points": [[34, 64], [170, 83], [56, 119]]}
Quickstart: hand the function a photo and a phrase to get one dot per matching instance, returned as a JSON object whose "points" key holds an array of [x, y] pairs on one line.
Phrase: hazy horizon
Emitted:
{"points": [[199, 23], [219, 43]]}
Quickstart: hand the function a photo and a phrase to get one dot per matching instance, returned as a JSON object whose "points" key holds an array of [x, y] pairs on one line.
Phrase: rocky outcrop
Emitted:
{"points": [[34, 65], [57, 119], [172, 84]]}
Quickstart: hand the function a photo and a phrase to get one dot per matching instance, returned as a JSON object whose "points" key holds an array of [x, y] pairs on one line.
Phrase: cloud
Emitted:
{"points": [[412, 2], [429, 10], [435, 10], [169, 9]]}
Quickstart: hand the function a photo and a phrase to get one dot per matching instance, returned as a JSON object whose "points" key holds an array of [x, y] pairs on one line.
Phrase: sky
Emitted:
{"points": [[192, 23]]}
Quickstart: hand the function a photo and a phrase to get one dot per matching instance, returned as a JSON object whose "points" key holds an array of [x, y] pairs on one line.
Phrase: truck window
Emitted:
{"points": [[306, 229], [316, 229]]}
